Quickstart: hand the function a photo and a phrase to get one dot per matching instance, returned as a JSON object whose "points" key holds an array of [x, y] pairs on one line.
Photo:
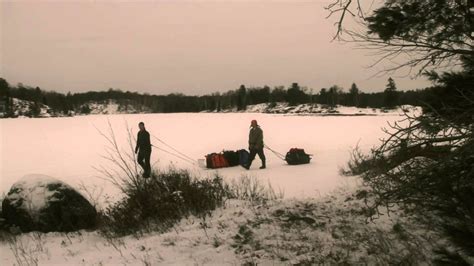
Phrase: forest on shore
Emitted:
{"points": [[238, 99]]}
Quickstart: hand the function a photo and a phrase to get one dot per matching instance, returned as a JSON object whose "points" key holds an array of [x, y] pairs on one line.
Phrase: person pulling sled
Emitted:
{"points": [[144, 150], [255, 145]]}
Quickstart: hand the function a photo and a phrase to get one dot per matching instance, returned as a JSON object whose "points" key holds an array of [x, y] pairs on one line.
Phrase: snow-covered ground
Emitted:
{"points": [[69, 148], [321, 221], [330, 231]]}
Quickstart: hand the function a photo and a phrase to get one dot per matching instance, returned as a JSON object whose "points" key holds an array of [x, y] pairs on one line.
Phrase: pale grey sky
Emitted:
{"points": [[194, 47]]}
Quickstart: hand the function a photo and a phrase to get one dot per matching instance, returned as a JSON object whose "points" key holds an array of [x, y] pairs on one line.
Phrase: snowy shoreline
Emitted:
{"points": [[24, 109], [321, 110]]}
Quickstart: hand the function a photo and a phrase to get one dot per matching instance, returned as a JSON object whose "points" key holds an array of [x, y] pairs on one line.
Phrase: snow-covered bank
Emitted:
{"points": [[113, 107], [324, 110], [23, 108], [330, 230]]}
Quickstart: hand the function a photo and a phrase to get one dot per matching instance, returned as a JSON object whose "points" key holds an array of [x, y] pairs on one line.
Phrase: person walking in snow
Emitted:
{"points": [[144, 150], [256, 144]]}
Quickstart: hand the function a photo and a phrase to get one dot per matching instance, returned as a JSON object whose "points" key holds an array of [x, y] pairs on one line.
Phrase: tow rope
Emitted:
{"points": [[277, 154], [174, 154], [177, 153]]}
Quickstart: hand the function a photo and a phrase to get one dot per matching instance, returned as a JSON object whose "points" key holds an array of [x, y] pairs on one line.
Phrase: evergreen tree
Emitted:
{"points": [[426, 164], [35, 109], [278, 94], [334, 95], [354, 95], [295, 95], [242, 98], [38, 95], [85, 109], [4, 88], [390, 94], [323, 96], [4, 97]]}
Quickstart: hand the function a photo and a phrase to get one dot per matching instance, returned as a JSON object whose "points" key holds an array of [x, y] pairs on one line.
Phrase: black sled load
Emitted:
{"points": [[297, 156], [227, 159]]}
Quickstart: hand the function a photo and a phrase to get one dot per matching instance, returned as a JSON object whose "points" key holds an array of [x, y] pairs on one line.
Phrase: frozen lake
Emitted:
{"points": [[69, 148]]}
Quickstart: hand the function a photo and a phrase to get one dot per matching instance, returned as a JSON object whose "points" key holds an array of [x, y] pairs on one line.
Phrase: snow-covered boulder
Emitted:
{"points": [[43, 203]]}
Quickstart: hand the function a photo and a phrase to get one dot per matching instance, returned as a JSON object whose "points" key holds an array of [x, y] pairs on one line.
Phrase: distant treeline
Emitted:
{"points": [[233, 99]]}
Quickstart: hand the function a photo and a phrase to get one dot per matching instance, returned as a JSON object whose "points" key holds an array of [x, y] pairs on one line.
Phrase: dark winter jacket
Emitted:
{"points": [[143, 141], [256, 138]]}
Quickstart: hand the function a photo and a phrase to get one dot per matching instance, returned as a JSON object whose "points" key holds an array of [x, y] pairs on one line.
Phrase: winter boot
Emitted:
{"points": [[263, 165]]}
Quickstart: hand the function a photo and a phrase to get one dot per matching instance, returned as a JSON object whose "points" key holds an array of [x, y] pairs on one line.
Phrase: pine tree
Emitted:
{"points": [[35, 110], [425, 165], [333, 95], [296, 95], [242, 98], [4, 97], [4, 87], [323, 96], [354, 94], [390, 94]]}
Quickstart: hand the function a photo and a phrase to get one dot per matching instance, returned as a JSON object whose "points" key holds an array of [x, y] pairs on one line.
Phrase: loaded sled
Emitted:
{"points": [[226, 159], [294, 156], [297, 156]]}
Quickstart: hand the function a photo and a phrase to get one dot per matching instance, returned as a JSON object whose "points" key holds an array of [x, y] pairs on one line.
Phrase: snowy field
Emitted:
{"points": [[70, 148], [322, 223]]}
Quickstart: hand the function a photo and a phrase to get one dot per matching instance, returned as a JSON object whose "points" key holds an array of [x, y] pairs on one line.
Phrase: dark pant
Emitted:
{"points": [[144, 161], [254, 152]]}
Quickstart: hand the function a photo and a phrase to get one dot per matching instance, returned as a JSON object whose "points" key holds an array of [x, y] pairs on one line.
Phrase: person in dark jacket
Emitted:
{"points": [[144, 149], [256, 144]]}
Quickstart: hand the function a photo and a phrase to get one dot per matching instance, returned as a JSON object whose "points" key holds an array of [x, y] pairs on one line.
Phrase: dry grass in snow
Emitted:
{"points": [[331, 230]]}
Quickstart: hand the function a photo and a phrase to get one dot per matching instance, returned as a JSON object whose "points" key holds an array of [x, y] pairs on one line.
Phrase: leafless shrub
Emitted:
{"points": [[94, 194], [27, 248], [125, 174], [250, 188]]}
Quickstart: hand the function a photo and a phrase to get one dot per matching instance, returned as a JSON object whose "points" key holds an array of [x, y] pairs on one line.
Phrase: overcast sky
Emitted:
{"points": [[194, 47]]}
